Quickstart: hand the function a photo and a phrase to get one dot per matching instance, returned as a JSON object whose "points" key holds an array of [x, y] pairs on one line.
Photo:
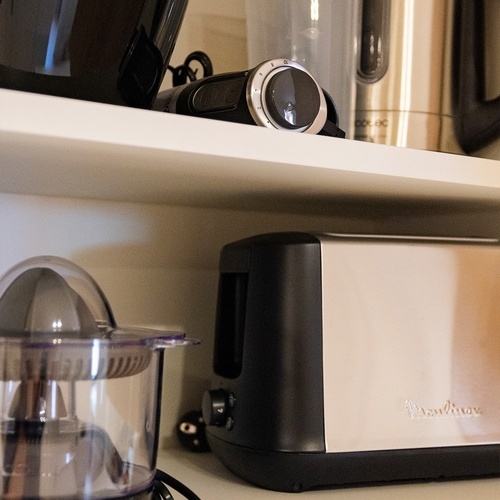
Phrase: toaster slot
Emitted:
{"points": [[230, 324]]}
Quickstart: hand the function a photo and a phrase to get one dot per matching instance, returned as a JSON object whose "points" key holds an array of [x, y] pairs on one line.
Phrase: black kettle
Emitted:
{"points": [[111, 51]]}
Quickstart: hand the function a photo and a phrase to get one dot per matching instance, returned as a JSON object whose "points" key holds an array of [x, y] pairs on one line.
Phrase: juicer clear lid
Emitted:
{"points": [[55, 322]]}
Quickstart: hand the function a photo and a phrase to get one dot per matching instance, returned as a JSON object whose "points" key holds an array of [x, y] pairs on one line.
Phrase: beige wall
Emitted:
{"points": [[216, 27]]}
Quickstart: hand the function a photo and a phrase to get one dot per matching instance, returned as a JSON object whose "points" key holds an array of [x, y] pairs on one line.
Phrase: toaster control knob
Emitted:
{"points": [[215, 407]]}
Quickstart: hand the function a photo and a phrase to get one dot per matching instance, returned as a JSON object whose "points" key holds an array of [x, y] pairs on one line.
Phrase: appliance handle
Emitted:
{"points": [[171, 14], [476, 120], [147, 58]]}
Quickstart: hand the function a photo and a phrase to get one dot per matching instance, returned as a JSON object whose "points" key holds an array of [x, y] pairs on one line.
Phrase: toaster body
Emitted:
{"points": [[349, 359]]}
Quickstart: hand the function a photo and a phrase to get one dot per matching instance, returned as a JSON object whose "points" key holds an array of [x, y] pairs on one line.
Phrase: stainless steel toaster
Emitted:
{"points": [[342, 359]]}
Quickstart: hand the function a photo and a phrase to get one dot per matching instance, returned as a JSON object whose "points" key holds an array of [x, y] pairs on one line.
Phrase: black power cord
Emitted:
{"points": [[176, 485], [184, 73]]}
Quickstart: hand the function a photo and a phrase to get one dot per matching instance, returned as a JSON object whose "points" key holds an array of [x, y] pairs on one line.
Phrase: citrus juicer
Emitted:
{"points": [[79, 396]]}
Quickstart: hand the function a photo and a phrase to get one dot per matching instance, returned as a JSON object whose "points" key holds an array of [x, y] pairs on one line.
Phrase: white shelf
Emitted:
{"points": [[64, 147], [210, 480]]}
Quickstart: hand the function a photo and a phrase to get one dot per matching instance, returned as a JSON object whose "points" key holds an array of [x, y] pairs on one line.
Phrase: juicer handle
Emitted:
{"points": [[476, 120]]}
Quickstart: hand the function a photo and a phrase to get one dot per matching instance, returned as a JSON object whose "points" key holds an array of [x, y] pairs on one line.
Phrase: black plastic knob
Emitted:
{"points": [[215, 407]]}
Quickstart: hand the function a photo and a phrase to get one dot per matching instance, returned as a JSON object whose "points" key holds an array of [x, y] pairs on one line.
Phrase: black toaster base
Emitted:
{"points": [[295, 472]]}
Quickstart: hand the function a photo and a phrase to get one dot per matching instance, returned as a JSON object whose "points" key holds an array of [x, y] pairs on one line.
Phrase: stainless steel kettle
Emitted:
{"points": [[112, 51], [420, 76]]}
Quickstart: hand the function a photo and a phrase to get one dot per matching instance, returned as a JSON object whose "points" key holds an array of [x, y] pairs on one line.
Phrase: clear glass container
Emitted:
{"points": [[79, 396]]}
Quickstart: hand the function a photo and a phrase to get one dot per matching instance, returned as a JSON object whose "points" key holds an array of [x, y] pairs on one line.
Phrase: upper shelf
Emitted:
{"points": [[65, 147]]}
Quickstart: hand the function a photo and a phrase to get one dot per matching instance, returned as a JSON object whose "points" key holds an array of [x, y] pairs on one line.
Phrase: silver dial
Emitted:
{"points": [[282, 94]]}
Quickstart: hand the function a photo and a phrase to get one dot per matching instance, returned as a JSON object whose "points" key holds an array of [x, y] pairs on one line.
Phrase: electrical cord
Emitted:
{"points": [[161, 492], [184, 72], [176, 485]]}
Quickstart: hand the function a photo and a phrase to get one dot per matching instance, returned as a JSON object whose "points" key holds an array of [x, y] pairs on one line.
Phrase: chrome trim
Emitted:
{"points": [[256, 87]]}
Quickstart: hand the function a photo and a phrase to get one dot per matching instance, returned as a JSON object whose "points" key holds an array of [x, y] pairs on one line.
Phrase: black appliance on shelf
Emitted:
{"points": [[107, 51], [346, 359]]}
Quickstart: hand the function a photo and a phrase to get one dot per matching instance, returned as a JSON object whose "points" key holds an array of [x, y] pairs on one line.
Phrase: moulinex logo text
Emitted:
{"points": [[448, 409]]}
